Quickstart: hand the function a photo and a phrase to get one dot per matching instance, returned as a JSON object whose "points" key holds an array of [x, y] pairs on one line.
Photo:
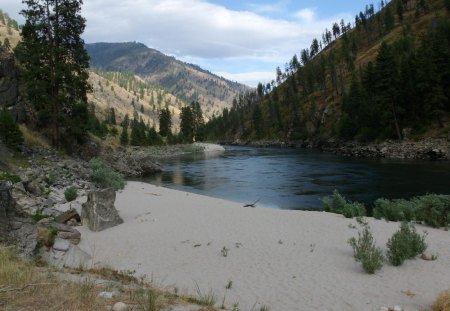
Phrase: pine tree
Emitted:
{"points": [[187, 124], [55, 61], [124, 136], [165, 122], [10, 133]]}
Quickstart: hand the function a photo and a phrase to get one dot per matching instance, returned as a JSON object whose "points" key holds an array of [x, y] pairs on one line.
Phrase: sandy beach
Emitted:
{"points": [[285, 260]]}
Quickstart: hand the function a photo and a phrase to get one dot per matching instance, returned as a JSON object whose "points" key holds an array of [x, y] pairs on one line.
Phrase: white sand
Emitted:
{"points": [[287, 260]]}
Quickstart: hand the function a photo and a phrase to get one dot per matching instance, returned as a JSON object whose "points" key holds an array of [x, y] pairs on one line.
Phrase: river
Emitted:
{"points": [[298, 178]]}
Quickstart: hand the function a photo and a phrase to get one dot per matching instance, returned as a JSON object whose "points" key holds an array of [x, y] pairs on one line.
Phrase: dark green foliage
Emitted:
{"points": [[103, 175], [447, 5], [5, 176], [143, 135], [366, 251], [407, 85], [395, 210], [433, 209], [405, 244], [70, 194], [55, 63], [339, 205], [187, 124], [165, 122], [10, 133], [124, 136]]}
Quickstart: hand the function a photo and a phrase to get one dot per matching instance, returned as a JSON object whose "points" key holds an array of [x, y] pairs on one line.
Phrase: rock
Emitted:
{"points": [[69, 215], [119, 306], [15, 226], [61, 245], [34, 188], [99, 213], [74, 257], [64, 231], [108, 295], [426, 256]]}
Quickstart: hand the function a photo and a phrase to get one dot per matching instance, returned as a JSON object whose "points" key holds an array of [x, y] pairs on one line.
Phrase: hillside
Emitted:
{"points": [[385, 76], [136, 97], [107, 91], [185, 81]]}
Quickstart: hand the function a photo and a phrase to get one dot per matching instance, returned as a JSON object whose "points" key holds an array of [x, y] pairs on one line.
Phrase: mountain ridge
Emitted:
{"points": [[186, 81]]}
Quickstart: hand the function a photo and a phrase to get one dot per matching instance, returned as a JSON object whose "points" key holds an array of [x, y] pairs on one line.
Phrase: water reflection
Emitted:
{"points": [[294, 179]]}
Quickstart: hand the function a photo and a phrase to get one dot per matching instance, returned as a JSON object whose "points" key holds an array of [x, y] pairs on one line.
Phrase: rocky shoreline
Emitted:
{"points": [[33, 203], [426, 149]]}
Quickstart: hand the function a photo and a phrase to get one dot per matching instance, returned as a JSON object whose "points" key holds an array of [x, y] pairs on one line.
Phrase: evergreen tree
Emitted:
{"points": [[124, 136], [55, 61], [187, 124], [165, 122], [10, 133]]}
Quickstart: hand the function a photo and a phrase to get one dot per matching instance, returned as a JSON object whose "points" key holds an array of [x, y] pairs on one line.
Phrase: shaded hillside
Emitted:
{"points": [[384, 76], [185, 81]]}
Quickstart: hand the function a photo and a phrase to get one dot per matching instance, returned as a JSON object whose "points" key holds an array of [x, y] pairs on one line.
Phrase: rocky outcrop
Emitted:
{"points": [[9, 85], [132, 162], [15, 227], [428, 149], [99, 213]]}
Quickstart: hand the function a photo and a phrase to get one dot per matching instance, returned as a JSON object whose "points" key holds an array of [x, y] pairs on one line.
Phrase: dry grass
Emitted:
{"points": [[24, 286], [33, 138], [442, 303]]}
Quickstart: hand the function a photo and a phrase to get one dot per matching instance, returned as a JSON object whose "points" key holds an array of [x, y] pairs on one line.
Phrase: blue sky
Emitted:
{"points": [[241, 40]]}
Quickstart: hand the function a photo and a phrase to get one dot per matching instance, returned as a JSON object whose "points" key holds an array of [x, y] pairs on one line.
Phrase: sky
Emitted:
{"points": [[241, 40]]}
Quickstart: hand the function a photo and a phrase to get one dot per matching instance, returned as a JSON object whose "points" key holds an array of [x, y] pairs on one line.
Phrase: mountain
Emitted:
{"points": [[385, 76], [185, 81]]}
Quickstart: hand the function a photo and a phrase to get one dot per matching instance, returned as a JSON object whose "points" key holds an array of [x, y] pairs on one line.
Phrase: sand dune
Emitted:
{"points": [[286, 260]]}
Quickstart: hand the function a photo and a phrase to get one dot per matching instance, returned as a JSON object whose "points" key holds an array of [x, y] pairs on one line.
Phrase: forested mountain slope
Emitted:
{"points": [[385, 75], [185, 81]]}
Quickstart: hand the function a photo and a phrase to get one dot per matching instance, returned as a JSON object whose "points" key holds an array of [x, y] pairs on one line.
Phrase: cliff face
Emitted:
{"points": [[9, 84]]}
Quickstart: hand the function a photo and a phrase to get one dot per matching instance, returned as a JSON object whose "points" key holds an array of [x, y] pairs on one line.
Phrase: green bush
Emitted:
{"points": [[339, 205], [366, 251], [104, 177], [395, 210], [70, 194], [433, 209], [405, 244], [4, 176], [9, 130]]}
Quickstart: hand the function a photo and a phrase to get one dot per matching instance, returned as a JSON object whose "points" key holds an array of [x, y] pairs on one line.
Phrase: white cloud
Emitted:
{"points": [[197, 29], [307, 15]]}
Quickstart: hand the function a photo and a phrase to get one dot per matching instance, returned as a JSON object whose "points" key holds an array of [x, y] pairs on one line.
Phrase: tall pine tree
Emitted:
{"points": [[55, 63]]}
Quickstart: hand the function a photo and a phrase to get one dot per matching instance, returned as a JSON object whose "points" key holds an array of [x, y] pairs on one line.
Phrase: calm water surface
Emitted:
{"points": [[298, 179]]}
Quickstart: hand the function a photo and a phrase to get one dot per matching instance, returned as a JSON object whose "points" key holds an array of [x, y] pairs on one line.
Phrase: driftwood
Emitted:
{"points": [[252, 204]]}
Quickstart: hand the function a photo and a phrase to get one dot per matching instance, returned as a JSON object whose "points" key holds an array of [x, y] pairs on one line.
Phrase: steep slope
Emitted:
{"points": [[185, 81], [387, 76], [141, 99]]}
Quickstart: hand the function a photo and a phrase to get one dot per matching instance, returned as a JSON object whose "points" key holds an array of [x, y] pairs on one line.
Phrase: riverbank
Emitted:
{"points": [[426, 149], [285, 260]]}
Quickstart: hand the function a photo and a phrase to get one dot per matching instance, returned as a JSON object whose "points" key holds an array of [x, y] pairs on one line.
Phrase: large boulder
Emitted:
{"points": [[15, 227], [99, 213]]}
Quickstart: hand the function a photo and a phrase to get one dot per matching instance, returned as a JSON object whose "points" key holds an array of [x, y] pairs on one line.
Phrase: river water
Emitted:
{"points": [[299, 178]]}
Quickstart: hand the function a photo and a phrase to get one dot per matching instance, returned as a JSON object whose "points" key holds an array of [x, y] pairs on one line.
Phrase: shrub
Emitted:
{"points": [[395, 210], [442, 302], [4, 176], [339, 205], [366, 251], [433, 209], [9, 130], [405, 244], [70, 194], [104, 176]]}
